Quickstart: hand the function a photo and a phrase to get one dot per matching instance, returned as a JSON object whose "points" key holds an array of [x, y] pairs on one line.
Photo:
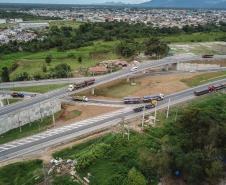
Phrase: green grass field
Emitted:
{"points": [[33, 62], [22, 173], [71, 114], [39, 89], [66, 23], [119, 89], [11, 101], [204, 78], [194, 37]]}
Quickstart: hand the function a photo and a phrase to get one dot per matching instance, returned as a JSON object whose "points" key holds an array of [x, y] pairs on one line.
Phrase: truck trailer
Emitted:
{"points": [[132, 100], [80, 85], [211, 88], [147, 99]]}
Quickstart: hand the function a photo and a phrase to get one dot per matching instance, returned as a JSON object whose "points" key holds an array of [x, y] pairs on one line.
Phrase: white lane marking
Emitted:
{"points": [[3, 148], [58, 130]]}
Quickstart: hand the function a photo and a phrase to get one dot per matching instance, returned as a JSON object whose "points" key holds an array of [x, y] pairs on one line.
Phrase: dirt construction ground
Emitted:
{"points": [[148, 85], [166, 84]]}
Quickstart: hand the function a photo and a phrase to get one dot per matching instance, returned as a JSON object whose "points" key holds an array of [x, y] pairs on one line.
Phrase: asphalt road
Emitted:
{"points": [[64, 134], [8, 85], [104, 79]]}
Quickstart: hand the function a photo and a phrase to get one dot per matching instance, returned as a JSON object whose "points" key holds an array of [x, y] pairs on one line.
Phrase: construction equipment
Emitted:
{"points": [[80, 98]]}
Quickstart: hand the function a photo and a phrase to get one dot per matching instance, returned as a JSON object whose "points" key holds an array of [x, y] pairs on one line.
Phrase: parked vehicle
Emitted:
{"points": [[159, 97], [147, 107], [82, 84], [211, 88], [134, 69], [81, 98], [17, 95], [207, 56]]}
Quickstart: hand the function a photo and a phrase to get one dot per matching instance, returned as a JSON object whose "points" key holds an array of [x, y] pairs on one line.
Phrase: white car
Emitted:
{"points": [[134, 69]]}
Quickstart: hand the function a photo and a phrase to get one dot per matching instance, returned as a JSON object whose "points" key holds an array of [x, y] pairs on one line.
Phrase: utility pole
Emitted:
{"points": [[176, 115], [20, 126], [143, 117], [7, 99], [167, 113], [125, 129], [54, 122], [40, 111], [155, 115]]}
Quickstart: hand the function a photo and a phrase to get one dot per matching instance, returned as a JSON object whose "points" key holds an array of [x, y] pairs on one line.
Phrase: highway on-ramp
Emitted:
{"points": [[64, 134], [103, 79]]}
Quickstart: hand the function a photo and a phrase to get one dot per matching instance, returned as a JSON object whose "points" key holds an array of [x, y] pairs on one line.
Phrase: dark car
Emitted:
{"points": [[17, 95]]}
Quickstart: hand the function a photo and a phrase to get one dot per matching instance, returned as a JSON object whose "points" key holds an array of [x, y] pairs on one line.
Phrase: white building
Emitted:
{"points": [[18, 20], [2, 21]]}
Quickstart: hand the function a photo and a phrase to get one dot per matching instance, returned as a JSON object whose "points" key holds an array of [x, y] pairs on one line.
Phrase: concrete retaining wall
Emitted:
{"points": [[29, 114], [196, 67]]}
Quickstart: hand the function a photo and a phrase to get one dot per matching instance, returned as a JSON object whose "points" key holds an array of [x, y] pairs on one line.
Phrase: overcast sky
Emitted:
{"points": [[70, 1]]}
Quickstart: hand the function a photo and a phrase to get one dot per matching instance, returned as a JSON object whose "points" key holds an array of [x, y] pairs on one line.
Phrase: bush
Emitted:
{"points": [[22, 77], [37, 76], [93, 153], [79, 59], [71, 55], [48, 59], [44, 68], [61, 71], [13, 67]]}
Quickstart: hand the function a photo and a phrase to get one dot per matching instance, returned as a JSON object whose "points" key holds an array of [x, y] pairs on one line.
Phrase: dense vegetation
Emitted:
{"points": [[190, 146], [26, 173], [69, 38], [126, 40], [25, 16]]}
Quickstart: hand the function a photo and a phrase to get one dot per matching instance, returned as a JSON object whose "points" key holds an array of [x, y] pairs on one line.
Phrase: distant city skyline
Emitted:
{"points": [[72, 1]]}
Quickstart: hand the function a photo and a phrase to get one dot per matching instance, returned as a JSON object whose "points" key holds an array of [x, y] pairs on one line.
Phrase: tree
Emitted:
{"points": [[154, 46], [48, 59], [127, 48], [44, 68], [135, 178], [80, 59], [62, 71], [5, 74]]}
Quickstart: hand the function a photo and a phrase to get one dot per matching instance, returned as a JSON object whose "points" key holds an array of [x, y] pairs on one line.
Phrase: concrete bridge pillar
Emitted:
{"points": [[167, 67], [93, 91], [174, 66], [128, 79]]}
